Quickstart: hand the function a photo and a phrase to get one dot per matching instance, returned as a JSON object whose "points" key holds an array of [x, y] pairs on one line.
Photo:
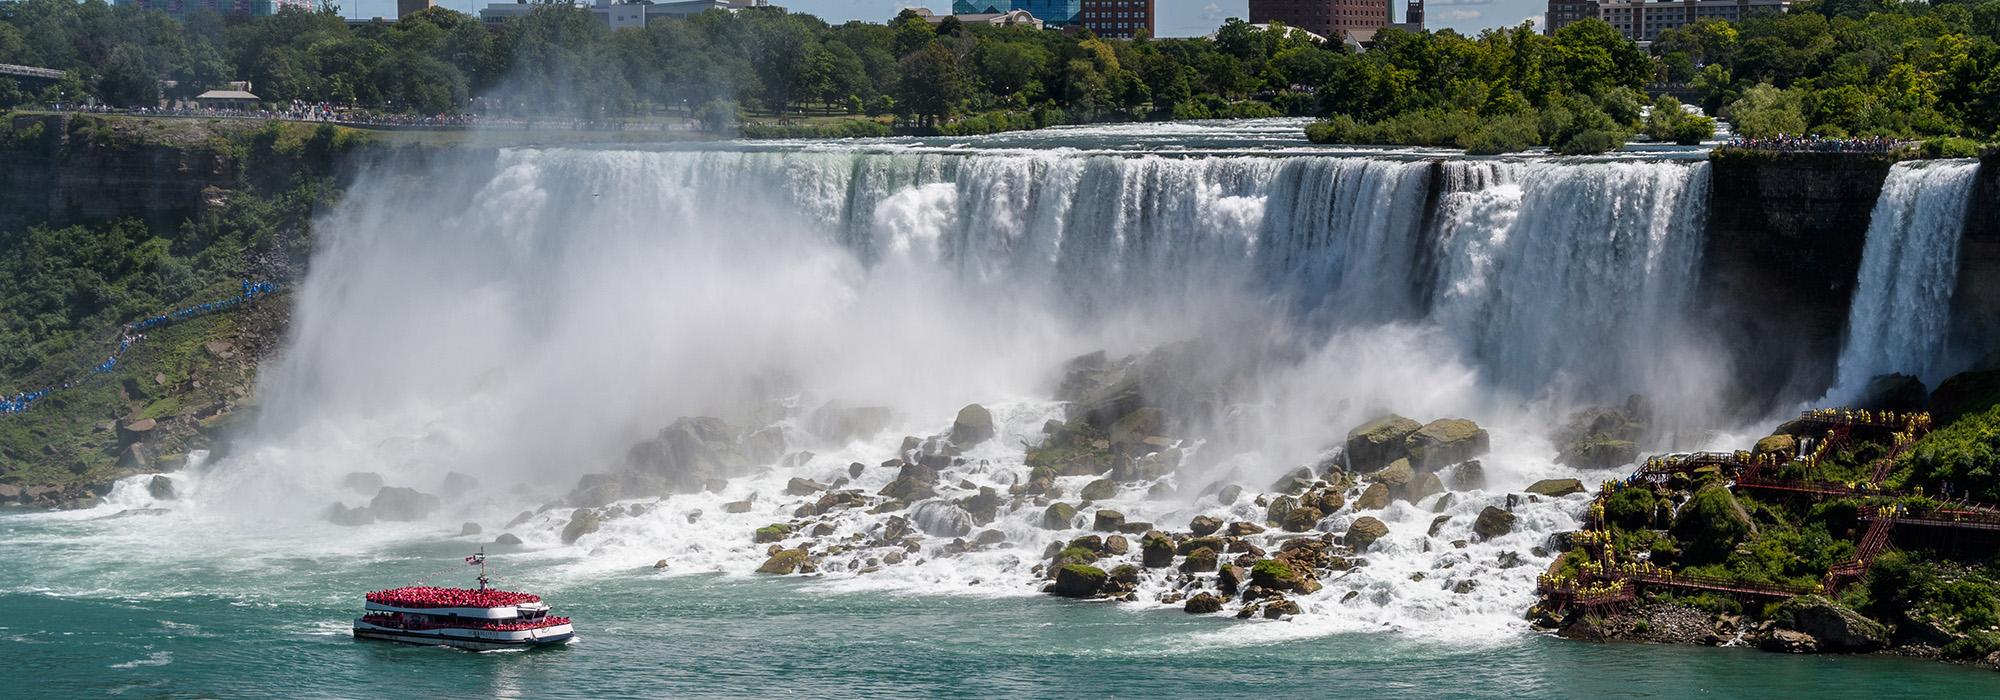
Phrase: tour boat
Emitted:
{"points": [[468, 618]]}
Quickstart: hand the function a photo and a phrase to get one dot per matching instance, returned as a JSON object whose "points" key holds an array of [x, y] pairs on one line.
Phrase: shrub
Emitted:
{"points": [[1588, 142], [1950, 147], [1507, 134]]}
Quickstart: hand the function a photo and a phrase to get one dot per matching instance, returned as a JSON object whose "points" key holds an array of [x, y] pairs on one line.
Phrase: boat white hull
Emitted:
{"points": [[480, 640]]}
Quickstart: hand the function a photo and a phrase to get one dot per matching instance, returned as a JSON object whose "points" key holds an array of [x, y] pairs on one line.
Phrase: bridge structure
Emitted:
{"points": [[10, 70]]}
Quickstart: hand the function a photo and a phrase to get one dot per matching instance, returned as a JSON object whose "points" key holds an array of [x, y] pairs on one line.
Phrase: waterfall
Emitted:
{"points": [[1901, 310], [1569, 273]]}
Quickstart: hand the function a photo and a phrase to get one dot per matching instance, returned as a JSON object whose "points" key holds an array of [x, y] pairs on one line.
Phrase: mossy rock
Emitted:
{"points": [[1075, 555], [772, 533], [1275, 575], [1445, 442], [1777, 444], [1156, 550], [1203, 525], [1193, 543], [1059, 516], [786, 561], [1379, 442], [1493, 522], [1200, 561], [1555, 488], [1079, 581], [1099, 490], [1203, 603]]}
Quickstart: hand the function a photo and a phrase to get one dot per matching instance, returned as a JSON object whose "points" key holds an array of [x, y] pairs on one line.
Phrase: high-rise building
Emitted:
{"points": [[405, 8], [1413, 15], [1643, 21], [1118, 19], [1054, 13], [1353, 19], [180, 9]]}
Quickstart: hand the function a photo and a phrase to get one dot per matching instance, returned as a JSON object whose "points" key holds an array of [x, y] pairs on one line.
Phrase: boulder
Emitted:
{"points": [[137, 456], [1492, 522], [785, 561], [1059, 516], [1279, 507], [693, 452], [1302, 519], [1374, 497], [1326, 500], [396, 503], [582, 521], [1246, 529], [839, 422], [135, 431], [1784, 445], [1437, 524], [1276, 575], [362, 482], [1199, 561], [340, 514], [1892, 392], [1229, 494], [1099, 490], [1117, 545], [1379, 442], [974, 425], [989, 538], [1231, 579], [160, 487], [1396, 475], [915, 482], [1079, 581], [1297, 480], [1364, 532], [1204, 525], [1108, 521], [1599, 452], [1789, 642], [803, 487], [1469, 475], [469, 528], [1835, 627], [506, 538], [1425, 484], [1445, 442], [1555, 488], [1280, 608], [457, 484], [736, 507], [1156, 550], [1203, 603], [1136, 427], [774, 532]]}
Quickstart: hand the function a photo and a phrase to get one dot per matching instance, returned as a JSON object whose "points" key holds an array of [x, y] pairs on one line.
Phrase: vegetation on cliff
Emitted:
{"points": [[68, 285], [1937, 591]]}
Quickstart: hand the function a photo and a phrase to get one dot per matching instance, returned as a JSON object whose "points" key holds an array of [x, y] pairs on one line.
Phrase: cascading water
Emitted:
{"points": [[1901, 311], [1573, 274], [529, 317]]}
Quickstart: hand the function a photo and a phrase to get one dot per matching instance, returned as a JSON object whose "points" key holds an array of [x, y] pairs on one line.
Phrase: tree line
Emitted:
{"points": [[1836, 66]]}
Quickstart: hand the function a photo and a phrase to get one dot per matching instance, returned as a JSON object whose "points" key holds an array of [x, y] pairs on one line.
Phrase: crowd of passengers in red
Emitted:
{"points": [[436, 597]]}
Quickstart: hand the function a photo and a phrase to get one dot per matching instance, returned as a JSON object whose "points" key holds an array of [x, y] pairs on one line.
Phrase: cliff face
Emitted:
{"points": [[1976, 301], [62, 170], [1785, 235]]}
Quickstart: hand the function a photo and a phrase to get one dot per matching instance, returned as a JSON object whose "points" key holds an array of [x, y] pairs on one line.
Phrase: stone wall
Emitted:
{"points": [[1785, 235], [1976, 301], [62, 170]]}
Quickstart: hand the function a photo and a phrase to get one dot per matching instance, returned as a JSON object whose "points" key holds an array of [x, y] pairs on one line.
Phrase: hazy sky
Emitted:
{"points": [[1177, 17]]}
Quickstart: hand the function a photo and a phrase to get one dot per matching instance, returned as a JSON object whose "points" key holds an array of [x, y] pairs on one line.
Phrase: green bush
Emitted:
{"points": [[1630, 508], [1588, 142], [1668, 122], [1506, 134], [1966, 453], [1950, 147]]}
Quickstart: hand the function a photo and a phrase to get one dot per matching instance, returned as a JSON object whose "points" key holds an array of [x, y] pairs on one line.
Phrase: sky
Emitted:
{"points": [[1177, 17]]}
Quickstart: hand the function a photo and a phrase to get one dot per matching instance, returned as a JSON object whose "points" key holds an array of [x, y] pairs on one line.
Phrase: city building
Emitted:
{"points": [[1009, 18], [1117, 19], [180, 9], [1413, 16], [621, 14], [405, 8], [1353, 19], [1061, 14], [1643, 21]]}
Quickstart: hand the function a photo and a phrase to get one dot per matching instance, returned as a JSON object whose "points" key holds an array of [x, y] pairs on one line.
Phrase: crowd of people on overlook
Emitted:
{"points": [[303, 111], [1815, 143], [440, 597], [130, 334]]}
